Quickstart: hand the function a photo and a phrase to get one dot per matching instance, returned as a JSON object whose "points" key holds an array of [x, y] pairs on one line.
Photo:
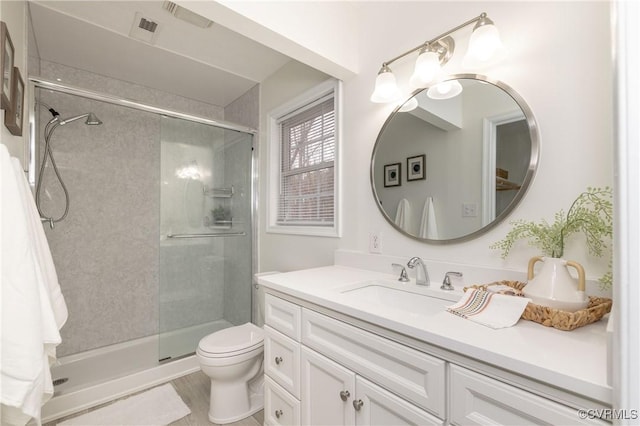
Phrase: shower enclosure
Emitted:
{"points": [[157, 248]]}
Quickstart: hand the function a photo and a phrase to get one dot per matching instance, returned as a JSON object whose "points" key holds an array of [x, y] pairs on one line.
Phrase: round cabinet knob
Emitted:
{"points": [[344, 395], [278, 360], [278, 413], [358, 404]]}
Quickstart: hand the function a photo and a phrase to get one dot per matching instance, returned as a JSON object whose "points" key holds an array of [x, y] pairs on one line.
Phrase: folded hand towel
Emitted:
{"points": [[490, 309]]}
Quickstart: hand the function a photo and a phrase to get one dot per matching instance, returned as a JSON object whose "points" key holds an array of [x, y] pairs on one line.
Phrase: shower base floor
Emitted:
{"points": [[101, 375]]}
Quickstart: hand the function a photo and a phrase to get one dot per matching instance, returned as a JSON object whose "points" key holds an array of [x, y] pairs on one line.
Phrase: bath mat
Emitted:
{"points": [[158, 406]]}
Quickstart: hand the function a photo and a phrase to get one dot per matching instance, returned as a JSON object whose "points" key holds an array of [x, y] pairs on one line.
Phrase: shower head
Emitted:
{"points": [[91, 120]]}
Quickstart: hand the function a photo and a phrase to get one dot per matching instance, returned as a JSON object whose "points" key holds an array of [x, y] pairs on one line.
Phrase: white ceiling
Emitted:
{"points": [[213, 65]]}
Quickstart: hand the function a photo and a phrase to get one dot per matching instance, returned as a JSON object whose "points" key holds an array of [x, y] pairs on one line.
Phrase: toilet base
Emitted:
{"points": [[255, 404]]}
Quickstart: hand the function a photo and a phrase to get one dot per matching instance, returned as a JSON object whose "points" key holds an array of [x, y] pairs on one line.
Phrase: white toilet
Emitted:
{"points": [[232, 358]]}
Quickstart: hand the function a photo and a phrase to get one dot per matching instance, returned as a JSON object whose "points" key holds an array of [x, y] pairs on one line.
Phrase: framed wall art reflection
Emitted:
{"points": [[415, 168], [7, 54], [392, 175], [13, 116]]}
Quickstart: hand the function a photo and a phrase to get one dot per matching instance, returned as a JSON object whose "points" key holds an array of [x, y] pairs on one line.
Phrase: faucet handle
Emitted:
{"points": [[446, 283], [403, 273]]}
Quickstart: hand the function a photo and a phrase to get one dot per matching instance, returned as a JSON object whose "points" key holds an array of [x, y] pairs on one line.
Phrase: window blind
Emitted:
{"points": [[307, 156]]}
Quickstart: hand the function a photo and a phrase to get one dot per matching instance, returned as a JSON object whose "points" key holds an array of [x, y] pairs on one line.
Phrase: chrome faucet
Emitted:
{"points": [[425, 275], [446, 283]]}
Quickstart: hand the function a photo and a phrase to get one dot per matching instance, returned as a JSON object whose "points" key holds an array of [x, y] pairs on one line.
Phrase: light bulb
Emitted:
{"points": [[484, 45], [386, 89], [445, 90], [484, 42], [427, 69]]}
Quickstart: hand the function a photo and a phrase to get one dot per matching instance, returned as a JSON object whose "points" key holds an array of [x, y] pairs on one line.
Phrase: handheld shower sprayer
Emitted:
{"points": [[91, 120], [50, 127]]}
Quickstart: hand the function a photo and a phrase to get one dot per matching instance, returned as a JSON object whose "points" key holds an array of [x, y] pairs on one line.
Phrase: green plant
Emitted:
{"points": [[591, 214], [221, 214]]}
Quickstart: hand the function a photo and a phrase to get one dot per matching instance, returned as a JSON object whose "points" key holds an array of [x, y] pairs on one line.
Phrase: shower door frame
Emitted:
{"points": [[41, 83]]}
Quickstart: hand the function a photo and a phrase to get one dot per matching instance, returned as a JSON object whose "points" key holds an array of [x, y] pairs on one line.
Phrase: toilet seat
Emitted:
{"points": [[232, 341]]}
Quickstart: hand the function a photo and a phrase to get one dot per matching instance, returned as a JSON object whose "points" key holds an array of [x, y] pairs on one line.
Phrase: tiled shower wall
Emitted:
{"points": [[106, 251]]}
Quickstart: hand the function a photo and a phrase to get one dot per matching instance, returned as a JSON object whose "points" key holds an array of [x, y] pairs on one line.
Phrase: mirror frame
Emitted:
{"points": [[531, 170]]}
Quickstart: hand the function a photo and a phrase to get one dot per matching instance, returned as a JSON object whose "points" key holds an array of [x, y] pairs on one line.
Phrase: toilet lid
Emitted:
{"points": [[241, 338]]}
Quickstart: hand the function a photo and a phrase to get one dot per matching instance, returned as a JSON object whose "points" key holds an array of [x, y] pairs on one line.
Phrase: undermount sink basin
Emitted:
{"points": [[411, 299]]}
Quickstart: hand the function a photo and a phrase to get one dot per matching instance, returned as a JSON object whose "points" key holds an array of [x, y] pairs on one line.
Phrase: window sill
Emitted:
{"points": [[330, 232]]}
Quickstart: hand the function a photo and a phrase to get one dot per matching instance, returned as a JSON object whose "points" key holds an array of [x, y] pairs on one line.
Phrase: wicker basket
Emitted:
{"points": [[562, 320]]}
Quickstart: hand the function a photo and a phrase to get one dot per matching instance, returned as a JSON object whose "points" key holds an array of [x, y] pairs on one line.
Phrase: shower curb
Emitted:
{"points": [[73, 402]]}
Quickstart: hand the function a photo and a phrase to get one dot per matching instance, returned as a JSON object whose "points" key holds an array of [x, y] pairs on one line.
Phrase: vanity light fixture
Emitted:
{"points": [[484, 44]]}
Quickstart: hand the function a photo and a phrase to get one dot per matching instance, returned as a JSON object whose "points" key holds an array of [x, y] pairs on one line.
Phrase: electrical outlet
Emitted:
{"points": [[469, 210], [375, 242]]}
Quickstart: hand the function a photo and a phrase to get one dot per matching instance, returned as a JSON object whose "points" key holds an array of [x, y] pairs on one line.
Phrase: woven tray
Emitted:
{"points": [[562, 320]]}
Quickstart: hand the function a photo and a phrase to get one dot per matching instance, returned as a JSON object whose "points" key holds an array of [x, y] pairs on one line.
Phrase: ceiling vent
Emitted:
{"points": [[144, 29], [187, 15]]}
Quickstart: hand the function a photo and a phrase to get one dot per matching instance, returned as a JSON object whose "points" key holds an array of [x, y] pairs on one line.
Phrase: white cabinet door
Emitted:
{"points": [[327, 391], [376, 406], [480, 400]]}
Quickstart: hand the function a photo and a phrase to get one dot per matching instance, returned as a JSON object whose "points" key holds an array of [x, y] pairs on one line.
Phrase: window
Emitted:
{"points": [[304, 161]]}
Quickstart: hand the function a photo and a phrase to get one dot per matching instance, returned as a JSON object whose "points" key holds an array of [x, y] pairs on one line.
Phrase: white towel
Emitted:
{"points": [[32, 307], [428, 226], [403, 212], [490, 309]]}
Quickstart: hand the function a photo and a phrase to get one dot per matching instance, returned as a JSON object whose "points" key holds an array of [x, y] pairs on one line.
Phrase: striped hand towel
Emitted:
{"points": [[490, 309]]}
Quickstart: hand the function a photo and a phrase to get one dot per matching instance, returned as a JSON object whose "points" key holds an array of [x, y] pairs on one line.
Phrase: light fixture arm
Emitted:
{"points": [[426, 44]]}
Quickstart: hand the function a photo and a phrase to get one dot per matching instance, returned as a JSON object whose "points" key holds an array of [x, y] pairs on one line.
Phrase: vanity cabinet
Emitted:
{"points": [[336, 374], [322, 371]]}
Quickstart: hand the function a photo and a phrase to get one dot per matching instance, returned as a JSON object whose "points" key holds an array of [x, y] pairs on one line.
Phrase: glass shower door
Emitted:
{"points": [[205, 233]]}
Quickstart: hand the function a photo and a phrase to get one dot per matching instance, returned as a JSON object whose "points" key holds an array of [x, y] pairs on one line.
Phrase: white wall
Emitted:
{"points": [[14, 14], [566, 82], [281, 252], [626, 317], [317, 33]]}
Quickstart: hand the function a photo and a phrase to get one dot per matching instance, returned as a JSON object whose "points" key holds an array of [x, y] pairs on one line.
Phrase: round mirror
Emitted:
{"points": [[455, 159]]}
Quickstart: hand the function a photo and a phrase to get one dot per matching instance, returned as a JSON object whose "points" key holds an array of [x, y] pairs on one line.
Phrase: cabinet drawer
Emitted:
{"points": [[280, 408], [480, 400], [282, 360], [413, 375], [283, 316]]}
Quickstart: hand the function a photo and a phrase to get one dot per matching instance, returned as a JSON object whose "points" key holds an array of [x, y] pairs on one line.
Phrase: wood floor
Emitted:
{"points": [[194, 391]]}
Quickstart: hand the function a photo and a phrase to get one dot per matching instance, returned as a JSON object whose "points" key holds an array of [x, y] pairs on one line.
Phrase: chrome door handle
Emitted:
{"points": [[278, 360], [344, 395], [278, 413], [358, 404]]}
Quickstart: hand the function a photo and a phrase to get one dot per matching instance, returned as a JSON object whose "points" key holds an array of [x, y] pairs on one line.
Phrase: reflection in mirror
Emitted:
{"points": [[466, 160]]}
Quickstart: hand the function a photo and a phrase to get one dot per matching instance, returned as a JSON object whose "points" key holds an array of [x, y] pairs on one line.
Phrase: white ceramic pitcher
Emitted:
{"points": [[554, 286]]}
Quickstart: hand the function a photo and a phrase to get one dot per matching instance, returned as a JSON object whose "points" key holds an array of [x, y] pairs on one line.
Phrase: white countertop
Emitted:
{"points": [[575, 360]]}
